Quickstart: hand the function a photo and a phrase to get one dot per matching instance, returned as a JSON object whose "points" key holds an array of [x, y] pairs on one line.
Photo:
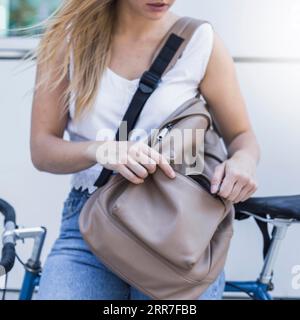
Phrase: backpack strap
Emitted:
{"points": [[185, 28], [164, 58]]}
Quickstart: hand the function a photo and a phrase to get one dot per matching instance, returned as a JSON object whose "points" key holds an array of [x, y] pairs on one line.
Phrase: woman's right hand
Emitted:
{"points": [[133, 160]]}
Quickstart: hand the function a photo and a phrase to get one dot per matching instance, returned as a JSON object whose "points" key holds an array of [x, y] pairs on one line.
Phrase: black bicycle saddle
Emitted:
{"points": [[283, 207]]}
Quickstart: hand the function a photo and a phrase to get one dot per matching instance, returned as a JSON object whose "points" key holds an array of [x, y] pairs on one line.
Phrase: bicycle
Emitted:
{"points": [[279, 211], [12, 233]]}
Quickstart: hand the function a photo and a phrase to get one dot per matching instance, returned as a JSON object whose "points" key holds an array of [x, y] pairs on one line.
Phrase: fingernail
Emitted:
{"points": [[173, 175], [214, 188]]}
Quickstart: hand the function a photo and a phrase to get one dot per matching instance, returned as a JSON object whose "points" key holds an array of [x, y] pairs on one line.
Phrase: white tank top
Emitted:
{"points": [[115, 92]]}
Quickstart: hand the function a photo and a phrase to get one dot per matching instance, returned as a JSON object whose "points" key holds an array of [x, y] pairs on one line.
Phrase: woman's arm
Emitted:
{"points": [[235, 178], [49, 151]]}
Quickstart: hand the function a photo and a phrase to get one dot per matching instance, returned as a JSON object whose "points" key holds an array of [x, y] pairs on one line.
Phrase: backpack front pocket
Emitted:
{"points": [[177, 218]]}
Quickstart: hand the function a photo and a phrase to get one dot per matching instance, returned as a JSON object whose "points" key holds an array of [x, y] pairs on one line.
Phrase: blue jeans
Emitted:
{"points": [[72, 272]]}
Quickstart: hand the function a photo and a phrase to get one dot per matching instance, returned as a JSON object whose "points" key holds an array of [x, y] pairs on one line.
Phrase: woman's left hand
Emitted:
{"points": [[235, 178]]}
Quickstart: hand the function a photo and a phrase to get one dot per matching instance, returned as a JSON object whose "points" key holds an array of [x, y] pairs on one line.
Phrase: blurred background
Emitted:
{"points": [[263, 38]]}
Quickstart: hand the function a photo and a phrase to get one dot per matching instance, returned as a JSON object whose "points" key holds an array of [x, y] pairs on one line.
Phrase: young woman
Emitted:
{"points": [[110, 44]]}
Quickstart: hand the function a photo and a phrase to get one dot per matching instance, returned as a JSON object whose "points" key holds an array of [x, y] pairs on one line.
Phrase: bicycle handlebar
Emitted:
{"points": [[8, 212], [8, 251], [8, 257]]}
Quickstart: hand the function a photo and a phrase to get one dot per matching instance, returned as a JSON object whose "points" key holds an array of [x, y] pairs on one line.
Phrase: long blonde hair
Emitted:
{"points": [[88, 25]]}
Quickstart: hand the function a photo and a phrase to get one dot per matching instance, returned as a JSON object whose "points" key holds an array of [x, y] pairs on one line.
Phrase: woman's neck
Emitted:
{"points": [[134, 26]]}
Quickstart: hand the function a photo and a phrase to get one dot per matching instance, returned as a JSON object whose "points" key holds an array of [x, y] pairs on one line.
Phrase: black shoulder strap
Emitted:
{"points": [[148, 83]]}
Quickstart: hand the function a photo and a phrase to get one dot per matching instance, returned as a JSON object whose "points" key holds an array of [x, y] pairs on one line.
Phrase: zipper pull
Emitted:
{"points": [[164, 131]]}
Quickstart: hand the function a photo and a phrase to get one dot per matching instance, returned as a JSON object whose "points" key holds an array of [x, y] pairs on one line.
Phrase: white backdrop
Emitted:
{"points": [[256, 28]]}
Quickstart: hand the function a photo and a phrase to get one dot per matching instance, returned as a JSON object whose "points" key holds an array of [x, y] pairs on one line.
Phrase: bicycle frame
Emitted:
{"points": [[259, 289], [30, 282], [255, 289]]}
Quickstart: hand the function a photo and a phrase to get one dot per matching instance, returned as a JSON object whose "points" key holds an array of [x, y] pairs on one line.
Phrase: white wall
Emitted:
{"points": [[257, 28], [37, 197], [251, 27]]}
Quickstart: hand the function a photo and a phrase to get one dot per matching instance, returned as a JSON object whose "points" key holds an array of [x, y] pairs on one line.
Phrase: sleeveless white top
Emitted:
{"points": [[115, 92]]}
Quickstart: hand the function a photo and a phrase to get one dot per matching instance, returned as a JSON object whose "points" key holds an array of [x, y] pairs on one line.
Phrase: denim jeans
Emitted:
{"points": [[72, 272]]}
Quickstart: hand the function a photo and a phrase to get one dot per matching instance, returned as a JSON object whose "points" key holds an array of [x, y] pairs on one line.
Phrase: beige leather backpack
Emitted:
{"points": [[167, 237]]}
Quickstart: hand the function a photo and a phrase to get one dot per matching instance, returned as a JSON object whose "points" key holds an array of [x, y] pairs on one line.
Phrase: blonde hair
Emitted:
{"points": [[88, 25]]}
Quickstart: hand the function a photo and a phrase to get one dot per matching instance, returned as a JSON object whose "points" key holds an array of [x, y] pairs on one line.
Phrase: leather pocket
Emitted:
{"points": [[176, 218]]}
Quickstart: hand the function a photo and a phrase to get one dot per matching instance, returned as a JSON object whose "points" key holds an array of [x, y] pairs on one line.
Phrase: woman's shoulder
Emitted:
{"points": [[195, 57], [200, 25], [203, 30], [201, 41]]}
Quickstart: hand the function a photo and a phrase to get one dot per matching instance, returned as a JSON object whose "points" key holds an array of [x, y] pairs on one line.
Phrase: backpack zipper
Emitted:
{"points": [[164, 131]]}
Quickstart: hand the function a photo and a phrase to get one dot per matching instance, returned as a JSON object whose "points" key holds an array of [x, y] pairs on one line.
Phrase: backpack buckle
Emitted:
{"points": [[149, 82]]}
